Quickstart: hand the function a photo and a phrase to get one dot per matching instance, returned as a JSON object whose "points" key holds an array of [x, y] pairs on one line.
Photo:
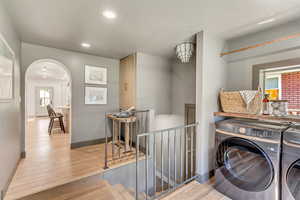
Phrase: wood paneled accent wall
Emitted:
{"points": [[128, 82]]}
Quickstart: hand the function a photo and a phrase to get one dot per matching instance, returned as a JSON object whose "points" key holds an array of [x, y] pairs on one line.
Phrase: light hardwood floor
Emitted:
{"points": [[51, 171], [91, 188], [50, 162], [95, 188], [196, 191]]}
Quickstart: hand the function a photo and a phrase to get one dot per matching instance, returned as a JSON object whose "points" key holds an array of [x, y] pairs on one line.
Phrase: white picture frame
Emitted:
{"points": [[95, 75], [7, 62], [95, 95]]}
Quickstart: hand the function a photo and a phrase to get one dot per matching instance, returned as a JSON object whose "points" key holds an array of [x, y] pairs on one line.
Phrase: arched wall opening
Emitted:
{"points": [[47, 81]]}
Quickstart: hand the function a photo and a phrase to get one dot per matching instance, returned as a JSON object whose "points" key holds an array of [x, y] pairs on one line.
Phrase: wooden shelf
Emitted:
{"points": [[289, 118]]}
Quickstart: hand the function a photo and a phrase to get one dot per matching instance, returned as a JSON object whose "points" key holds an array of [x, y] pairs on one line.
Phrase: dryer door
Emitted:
{"points": [[293, 179], [245, 164]]}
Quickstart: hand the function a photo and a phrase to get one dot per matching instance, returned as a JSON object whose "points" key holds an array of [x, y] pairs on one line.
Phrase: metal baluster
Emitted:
{"points": [[131, 134], [175, 168], [162, 161], [137, 169], [192, 151], [106, 142], [154, 162], [113, 140], [186, 153], [119, 140], [146, 179], [169, 160], [181, 155]]}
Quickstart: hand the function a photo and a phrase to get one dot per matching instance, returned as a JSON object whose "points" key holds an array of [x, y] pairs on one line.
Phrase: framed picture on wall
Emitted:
{"points": [[7, 59], [95, 75], [95, 95]]}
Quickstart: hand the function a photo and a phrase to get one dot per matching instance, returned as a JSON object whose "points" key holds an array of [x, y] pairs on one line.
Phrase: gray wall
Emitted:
{"points": [[240, 64], [10, 134], [154, 83], [87, 120], [211, 72], [183, 85]]}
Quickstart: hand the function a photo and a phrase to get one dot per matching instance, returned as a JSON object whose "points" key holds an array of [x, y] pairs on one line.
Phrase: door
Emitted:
{"points": [[43, 97], [245, 164], [190, 114]]}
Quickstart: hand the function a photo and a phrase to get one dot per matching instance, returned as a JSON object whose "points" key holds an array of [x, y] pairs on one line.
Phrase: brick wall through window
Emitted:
{"points": [[290, 85]]}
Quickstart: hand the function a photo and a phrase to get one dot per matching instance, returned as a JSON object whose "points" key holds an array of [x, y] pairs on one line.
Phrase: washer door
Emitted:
{"points": [[293, 179], [245, 164]]}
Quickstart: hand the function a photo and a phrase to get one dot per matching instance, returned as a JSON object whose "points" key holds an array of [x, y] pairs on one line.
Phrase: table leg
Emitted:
{"points": [[127, 147], [116, 132]]}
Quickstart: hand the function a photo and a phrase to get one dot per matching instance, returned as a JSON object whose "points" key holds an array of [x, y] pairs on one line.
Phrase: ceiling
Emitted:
{"points": [[149, 26], [47, 71]]}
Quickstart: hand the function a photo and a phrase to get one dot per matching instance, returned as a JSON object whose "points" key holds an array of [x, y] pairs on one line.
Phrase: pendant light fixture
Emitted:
{"points": [[184, 51]]}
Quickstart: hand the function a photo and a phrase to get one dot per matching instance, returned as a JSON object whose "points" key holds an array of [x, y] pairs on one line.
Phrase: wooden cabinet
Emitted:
{"points": [[127, 94]]}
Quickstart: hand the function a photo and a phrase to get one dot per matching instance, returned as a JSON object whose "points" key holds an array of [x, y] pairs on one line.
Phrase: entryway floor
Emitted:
{"points": [[50, 162]]}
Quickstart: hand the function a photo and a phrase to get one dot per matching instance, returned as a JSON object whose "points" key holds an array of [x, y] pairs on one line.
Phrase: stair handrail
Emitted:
{"points": [[190, 173]]}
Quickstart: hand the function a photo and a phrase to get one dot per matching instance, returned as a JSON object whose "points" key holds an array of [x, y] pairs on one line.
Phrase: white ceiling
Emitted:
{"points": [[53, 72], [150, 26]]}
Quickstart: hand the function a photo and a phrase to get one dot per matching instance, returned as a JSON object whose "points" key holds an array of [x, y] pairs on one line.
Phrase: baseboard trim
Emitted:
{"points": [[5, 188], [76, 145], [205, 177]]}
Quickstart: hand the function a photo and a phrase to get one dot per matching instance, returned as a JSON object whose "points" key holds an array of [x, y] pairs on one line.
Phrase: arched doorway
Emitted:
{"points": [[47, 82]]}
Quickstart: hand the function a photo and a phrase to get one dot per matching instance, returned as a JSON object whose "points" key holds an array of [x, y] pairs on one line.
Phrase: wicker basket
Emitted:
{"points": [[233, 102]]}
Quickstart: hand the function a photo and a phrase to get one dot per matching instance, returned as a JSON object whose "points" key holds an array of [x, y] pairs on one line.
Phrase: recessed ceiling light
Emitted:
{"points": [[85, 45], [266, 21], [109, 14]]}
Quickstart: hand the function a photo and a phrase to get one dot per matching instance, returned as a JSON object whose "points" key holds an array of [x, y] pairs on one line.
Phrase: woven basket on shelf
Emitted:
{"points": [[233, 102]]}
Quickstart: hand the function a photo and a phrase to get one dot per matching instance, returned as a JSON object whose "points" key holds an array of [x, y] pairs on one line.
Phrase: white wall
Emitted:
{"points": [[154, 83], [60, 92], [211, 71], [10, 133], [183, 85], [240, 64]]}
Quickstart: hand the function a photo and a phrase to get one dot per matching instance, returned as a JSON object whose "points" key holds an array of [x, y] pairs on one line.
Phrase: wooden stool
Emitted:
{"points": [[53, 116]]}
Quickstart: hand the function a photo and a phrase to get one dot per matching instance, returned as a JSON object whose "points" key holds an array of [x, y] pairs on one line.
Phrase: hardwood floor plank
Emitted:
{"points": [[50, 162], [196, 191]]}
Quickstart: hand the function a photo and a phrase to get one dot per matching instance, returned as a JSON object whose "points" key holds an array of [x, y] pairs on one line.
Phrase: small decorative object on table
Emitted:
{"points": [[266, 105], [279, 107]]}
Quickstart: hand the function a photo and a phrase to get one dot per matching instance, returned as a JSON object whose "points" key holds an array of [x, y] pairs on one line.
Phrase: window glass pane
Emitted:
{"points": [[271, 83], [41, 93], [47, 94]]}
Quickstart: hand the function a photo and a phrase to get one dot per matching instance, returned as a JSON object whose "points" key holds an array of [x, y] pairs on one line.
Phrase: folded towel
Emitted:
{"points": [[248, 96]]}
